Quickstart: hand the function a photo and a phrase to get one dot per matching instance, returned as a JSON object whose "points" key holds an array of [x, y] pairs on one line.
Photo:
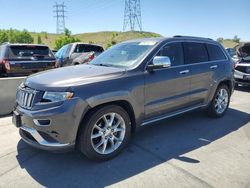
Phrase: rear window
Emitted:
{"points": [[195, 52], [215, 52], [81, 48], [30, 51]]}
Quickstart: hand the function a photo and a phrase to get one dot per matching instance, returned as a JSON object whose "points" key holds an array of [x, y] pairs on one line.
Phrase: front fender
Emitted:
{"points": [[115, 96]]}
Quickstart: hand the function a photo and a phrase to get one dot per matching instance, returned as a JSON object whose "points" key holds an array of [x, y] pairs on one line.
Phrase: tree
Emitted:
{"points": [[220, 40], [236, 39], [65, 39], [3, 36], [112, 40], [39, 40], [45, 35], [67, 32]]}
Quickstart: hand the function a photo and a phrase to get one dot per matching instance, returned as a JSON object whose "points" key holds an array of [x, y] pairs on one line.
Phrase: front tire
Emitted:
{"points": [[220, 102], [105, 133]]}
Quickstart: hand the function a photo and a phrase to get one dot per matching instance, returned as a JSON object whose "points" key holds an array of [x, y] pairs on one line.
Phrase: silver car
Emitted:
{"points": [[242, 67], [77, 53]]}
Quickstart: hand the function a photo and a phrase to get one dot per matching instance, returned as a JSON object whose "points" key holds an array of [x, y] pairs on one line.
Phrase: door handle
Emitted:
{"points": [[214, 67], [184, 72]]}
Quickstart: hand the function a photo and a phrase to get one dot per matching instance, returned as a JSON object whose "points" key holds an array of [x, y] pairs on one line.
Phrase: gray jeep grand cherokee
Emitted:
{"points": [[97, 107]]}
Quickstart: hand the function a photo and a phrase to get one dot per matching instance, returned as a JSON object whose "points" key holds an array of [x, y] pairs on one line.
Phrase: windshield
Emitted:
{"points": [[61, 51], [124, 55]]}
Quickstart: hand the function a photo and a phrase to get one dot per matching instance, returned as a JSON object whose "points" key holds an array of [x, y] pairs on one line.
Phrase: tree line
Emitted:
{"points": [[234, 39], [15, 36]]}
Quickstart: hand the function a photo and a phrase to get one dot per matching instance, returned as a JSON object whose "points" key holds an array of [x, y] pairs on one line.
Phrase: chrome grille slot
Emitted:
{"points": [[25, 97]]}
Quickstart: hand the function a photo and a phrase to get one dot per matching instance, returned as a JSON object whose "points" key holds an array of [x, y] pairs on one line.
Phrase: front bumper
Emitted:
{"points": [[58, 126], [240, 78], [32, 137]]}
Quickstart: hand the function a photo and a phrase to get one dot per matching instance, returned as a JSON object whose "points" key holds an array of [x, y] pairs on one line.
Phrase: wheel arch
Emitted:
{"points": [[124, 104]]}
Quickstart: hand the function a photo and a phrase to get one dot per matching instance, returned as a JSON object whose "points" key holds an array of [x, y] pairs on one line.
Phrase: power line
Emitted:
{"points": [[59, 10], [132, 15]]}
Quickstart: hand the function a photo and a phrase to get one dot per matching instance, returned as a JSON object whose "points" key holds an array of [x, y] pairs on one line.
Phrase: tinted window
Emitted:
{"points": [[81, 48], [174, 52], [215, 52], [29, 51], [195, 52]]}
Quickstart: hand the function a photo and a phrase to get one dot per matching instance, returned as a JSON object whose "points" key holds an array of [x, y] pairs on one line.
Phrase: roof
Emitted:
{"points": [[160, 39], [24, 44], [87, 44]]}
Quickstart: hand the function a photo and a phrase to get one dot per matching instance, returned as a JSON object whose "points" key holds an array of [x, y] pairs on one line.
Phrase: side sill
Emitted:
{"points": [[162, 117]]}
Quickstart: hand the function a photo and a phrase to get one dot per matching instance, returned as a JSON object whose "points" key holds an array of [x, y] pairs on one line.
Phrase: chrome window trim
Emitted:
{"points": [[185, 40]]}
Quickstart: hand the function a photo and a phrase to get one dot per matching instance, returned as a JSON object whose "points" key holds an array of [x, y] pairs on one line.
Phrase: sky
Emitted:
{"points": [[204, 18]]}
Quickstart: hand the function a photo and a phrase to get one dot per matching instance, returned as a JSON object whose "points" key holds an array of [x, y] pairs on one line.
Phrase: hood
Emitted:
{"points": [[243, 50], [64, 78]]}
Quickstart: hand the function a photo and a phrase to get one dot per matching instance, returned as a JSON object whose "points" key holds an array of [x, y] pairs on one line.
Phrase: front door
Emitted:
{"points": [[167, 89]]}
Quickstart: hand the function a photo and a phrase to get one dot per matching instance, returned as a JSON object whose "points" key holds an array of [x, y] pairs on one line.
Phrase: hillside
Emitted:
{"points": [[229, 43], [102, 38], [105, 37]]}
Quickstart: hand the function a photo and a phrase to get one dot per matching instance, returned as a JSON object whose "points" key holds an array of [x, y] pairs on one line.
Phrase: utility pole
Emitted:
{"points": [[132, 15], [59, 10]]}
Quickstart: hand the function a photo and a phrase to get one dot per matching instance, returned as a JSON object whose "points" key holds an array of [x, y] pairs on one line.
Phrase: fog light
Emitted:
{"points": [[42, 122]]}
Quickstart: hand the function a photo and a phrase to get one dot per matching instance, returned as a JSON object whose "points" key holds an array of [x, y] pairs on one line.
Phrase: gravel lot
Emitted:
{"points": [[191, 150]]}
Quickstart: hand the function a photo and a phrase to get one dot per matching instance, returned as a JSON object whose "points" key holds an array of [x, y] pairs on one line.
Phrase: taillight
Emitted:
{"points": [[6, 64], [91, 57]]}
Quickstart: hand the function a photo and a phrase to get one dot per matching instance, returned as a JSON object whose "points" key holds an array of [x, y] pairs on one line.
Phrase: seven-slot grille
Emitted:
{"points": [[25, 97]]}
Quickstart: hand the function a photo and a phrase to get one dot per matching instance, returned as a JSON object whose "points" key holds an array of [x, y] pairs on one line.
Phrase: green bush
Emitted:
{"points": [[15, 36], [66, 39], [39, 40]]}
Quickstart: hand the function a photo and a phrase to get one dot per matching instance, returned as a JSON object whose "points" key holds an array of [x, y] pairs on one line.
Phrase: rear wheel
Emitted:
{"points": [[105, 133], [220, 102]]}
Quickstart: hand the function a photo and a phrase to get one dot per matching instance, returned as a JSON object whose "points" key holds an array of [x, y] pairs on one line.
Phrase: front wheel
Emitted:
{"points": [[220, 102], [104, 134]]}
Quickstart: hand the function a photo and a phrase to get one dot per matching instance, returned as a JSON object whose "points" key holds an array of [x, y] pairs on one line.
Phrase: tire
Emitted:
{"points": [[213, 109], [95, 133]]}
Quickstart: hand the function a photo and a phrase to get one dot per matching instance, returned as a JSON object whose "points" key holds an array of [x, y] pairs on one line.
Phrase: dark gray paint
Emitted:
{"points": [[152, 95]]}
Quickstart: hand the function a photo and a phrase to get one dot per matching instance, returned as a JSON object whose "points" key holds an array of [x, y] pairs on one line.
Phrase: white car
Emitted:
{"points": [[242, 67]]}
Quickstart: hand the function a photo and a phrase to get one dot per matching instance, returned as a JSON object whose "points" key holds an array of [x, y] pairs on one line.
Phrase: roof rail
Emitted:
{"points": [[176, 36]]}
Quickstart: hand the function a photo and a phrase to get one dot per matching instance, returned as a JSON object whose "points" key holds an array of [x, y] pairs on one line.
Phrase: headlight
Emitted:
{"points": [[56, 96]]}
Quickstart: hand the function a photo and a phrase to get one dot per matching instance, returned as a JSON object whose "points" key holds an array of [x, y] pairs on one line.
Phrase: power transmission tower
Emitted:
{"points": [[59, 10], [132, 15]]}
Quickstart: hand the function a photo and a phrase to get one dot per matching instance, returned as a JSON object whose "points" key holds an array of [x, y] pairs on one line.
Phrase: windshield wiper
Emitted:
{"points": [[103, 65]]}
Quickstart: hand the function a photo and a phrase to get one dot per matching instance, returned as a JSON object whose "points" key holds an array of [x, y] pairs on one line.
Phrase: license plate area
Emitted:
{"points": [[246, 77], [16, 119]]}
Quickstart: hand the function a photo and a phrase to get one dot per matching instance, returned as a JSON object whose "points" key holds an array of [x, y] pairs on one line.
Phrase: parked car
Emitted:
{"points": [[54, 51], [96, 107], [233, 54], [242, 67], [25, 59], [77, 53]]}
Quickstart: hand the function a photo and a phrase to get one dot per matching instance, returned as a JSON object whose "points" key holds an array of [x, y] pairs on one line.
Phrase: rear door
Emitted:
{"points": [[167, 89], [202, 71]]}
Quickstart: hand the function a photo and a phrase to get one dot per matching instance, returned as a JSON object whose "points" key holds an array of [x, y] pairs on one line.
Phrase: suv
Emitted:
{"points": [[77, 53], [96, 107], [242, 66], [24, 59]]}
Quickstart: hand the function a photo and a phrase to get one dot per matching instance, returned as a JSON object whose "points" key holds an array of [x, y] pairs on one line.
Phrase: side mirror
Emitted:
{"points": [[159, 62]]}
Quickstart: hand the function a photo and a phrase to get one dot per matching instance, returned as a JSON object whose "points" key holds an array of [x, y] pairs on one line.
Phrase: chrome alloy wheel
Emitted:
{"points": [[108, 133], [221, 101]]}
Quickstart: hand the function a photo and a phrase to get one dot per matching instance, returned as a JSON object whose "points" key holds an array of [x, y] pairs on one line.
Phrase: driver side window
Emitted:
{"points": [[175, 52]]}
